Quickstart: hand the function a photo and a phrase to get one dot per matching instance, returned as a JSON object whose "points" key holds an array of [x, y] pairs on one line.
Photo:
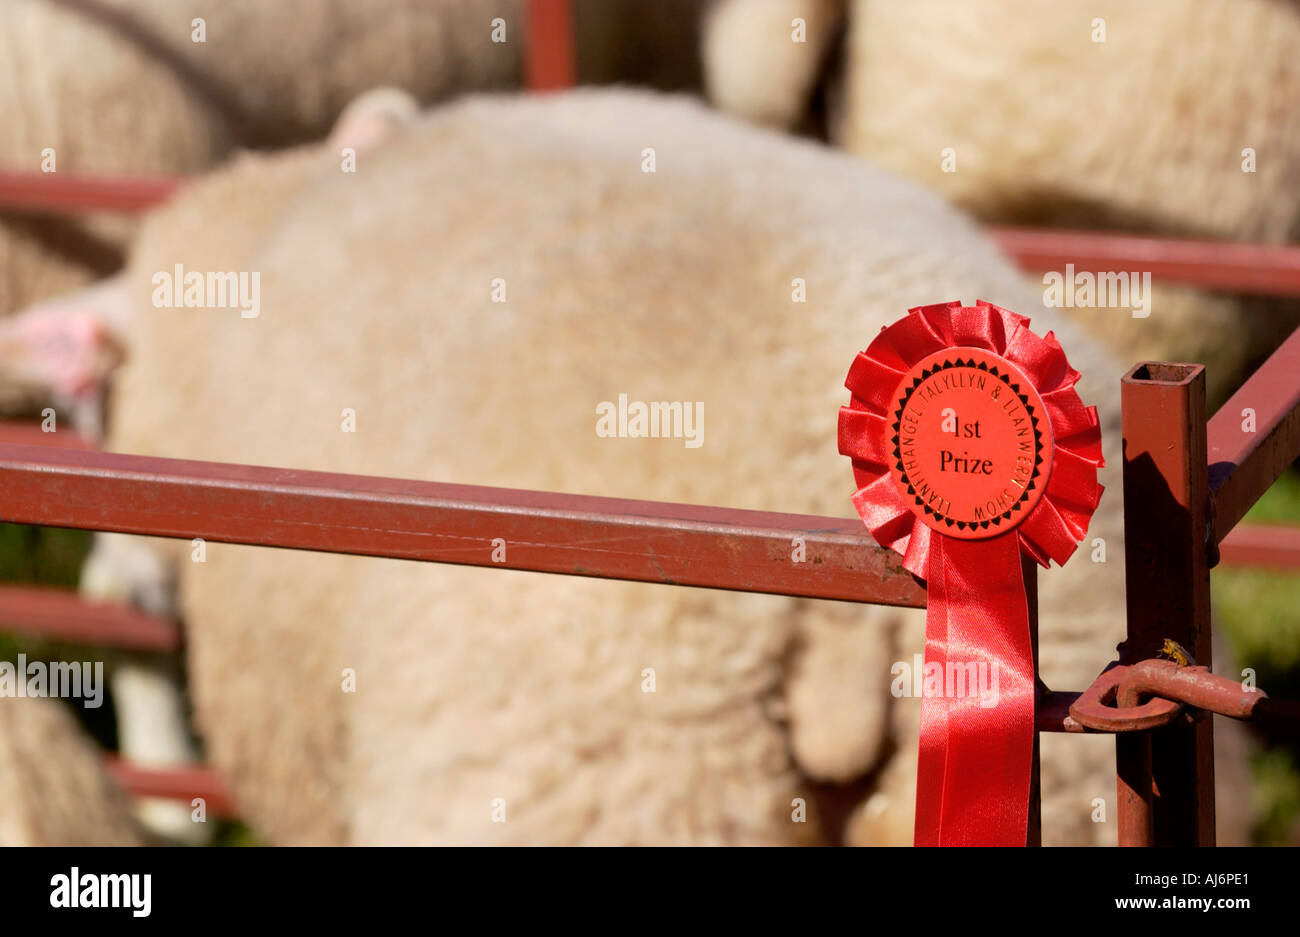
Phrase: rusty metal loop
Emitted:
{"points": [[1096, 706], [1112, 704]]}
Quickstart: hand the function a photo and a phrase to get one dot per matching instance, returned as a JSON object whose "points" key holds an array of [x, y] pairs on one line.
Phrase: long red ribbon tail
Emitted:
{"points": [[977, 734]]}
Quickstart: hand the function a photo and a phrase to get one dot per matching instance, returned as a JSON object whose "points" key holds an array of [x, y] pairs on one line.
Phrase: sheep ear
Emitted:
{"points": [[68, 345], [762, 60], [372, 118]]}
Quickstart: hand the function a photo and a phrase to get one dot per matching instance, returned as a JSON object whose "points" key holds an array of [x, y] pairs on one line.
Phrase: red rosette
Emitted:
{"points": [[1053, 529], [971, 447]]}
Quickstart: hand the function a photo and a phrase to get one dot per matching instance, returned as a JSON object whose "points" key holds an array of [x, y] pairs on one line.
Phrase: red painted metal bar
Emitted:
{"points": [[1262, 545], [1166, 499], [1052, 712], [183, 783], [549, 58], [579, 535], [64, 616], [586, 536], [1273, 546], [75, 193], [25, 433], [1264, 269], [1254, 437]]}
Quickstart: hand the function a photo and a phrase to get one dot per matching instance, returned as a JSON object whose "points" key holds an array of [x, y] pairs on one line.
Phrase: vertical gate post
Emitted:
{"points": [[1133, 788], [1166, 525], [549, 54]]}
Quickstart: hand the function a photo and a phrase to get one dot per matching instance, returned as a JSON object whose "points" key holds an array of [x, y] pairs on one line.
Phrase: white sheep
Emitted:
{"points": [[53, 788], [1163, 117], [144, 87], [633, 244]]}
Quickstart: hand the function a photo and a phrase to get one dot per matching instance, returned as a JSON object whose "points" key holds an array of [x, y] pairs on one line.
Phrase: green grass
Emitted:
{"points": [[1276, 774], [234, 833], [1259, 613], [49, 555], [46, 555]]}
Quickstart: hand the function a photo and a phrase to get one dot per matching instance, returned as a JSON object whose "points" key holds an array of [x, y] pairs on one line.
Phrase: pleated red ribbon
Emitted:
{"points": [[970, 446]]}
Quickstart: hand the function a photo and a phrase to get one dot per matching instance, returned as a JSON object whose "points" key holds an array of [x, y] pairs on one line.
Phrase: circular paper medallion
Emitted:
{"points": [[971, 441]]}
